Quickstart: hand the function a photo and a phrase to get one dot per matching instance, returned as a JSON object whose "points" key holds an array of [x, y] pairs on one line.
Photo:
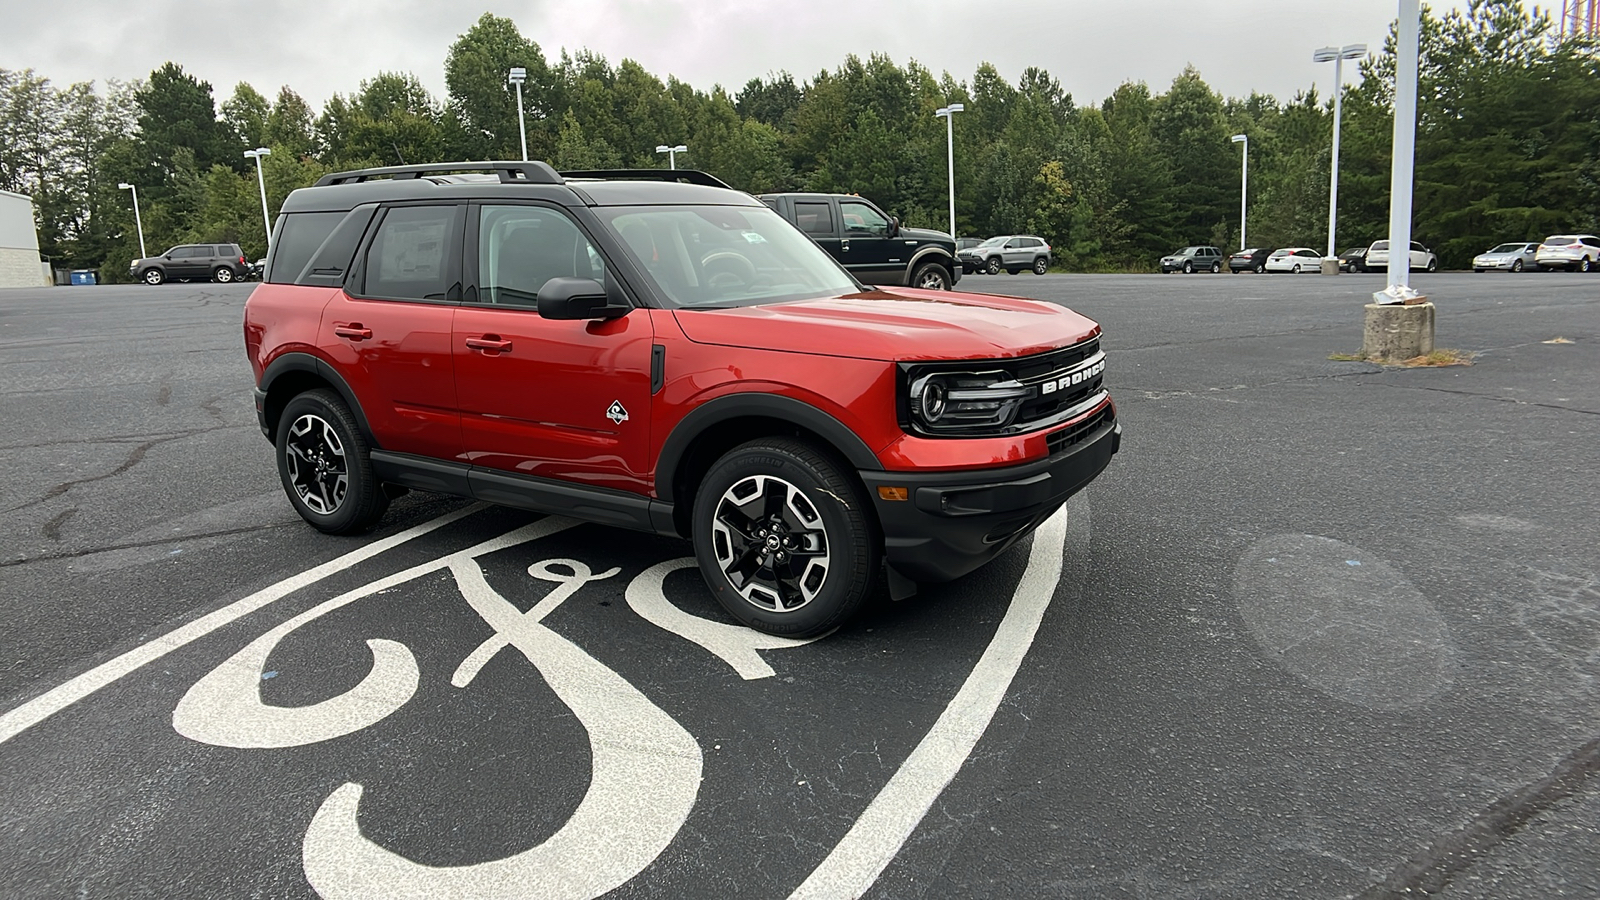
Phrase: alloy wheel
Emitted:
{"points": [[318, 469], [770, 542]]}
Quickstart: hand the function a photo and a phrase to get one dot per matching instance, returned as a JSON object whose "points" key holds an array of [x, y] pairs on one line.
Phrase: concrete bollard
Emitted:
{"points": [[1393, 333], [1330, 267]]}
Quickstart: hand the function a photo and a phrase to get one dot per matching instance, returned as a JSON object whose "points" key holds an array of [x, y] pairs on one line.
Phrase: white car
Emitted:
{"points": [[1422, 259], [1569, 251], [1294, 259]]}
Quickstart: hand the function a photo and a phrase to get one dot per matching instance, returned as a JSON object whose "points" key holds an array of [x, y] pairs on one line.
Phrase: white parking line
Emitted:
{"points": [[56, 699], [883, 829]]}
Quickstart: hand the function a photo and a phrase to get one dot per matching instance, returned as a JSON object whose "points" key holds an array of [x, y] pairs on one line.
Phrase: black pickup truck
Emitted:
{"points": [[869, 243]]}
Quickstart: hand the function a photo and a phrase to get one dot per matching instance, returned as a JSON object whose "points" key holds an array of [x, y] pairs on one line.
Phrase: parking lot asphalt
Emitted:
{"points": [[1322, 629]]}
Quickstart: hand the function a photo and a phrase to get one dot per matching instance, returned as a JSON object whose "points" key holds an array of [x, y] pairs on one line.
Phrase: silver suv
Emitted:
{"points": [[1569, 251], [1200, 258], [1011, 252]]}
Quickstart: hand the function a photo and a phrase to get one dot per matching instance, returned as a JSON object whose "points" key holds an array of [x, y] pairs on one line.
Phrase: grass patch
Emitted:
{"points": [[1436, 359]]}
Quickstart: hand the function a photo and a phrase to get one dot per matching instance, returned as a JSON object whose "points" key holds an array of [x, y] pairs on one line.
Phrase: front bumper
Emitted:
{"points": [[953, 522]]}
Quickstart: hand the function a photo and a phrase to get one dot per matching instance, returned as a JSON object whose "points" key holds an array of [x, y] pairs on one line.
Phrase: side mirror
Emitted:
{"points": [[894, 226], [579, 298]]}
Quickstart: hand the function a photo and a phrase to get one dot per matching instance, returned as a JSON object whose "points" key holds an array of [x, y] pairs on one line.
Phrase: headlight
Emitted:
{"points": [[961, 401]]}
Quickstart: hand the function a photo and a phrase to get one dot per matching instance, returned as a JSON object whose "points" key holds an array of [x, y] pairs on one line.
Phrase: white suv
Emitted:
{"points": [[1569, 251], [1422, 259]]}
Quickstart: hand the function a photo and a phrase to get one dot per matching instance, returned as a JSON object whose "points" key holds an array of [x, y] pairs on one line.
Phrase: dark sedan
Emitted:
{"points": [[1353, 260], [1252, 260]]}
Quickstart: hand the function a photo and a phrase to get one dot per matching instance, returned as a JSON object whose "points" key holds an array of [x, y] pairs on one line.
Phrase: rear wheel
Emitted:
{"points": [[1041, 266], [1295, 270], [1261, 269], [324, 467], [931, 276], [1215, 268], [222, 275], [1584, 265], [782, 538], [153, 276]]}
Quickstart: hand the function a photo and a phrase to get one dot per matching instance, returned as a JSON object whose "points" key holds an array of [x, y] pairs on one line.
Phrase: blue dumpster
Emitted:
{"points": [[83, 276]]}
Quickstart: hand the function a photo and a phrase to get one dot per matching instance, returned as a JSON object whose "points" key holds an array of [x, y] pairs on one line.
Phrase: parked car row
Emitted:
{"points": [[1010, 253]]}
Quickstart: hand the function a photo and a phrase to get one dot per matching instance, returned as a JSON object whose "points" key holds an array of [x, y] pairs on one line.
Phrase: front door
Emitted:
{"points": [[865, 248], [567, 400]]}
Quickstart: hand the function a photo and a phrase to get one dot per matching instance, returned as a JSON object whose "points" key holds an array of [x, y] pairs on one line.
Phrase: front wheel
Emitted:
{"points": [[993, 268], [1041, 266], [1433, 265], [1516, 265], [783, 539], [324, 467], [1188, 268], [1261, 269], [931, 276], [153, 276]]}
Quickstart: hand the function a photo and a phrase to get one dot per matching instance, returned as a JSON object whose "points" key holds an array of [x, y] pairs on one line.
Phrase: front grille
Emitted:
{"points": [[1060, 386], [1073, 435], [1050, 367]]}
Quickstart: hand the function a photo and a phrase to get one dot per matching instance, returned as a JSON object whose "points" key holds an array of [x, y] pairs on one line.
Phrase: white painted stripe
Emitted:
{"points": [[883, 829], [56, 699]]}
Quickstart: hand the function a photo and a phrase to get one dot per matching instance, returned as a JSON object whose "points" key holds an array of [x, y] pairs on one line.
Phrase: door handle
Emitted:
{"points": [[490, 343], [354, 332], [844, 245]]}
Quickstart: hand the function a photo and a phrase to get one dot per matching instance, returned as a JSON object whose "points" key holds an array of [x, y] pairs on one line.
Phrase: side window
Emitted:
{"points": [[814, 218], [415, 254], [189, 253], [1417, 245], [860, 218], [1593, 242], [298, 235], [328, 265], [1014, 243], [522, 247]]}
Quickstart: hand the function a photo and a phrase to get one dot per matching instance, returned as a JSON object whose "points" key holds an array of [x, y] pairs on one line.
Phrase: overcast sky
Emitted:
{"points": [[320, 47]]}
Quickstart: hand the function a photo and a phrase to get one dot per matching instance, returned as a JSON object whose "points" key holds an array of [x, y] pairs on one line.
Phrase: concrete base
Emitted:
{"points": [[1330, 267], [1394, 333]]}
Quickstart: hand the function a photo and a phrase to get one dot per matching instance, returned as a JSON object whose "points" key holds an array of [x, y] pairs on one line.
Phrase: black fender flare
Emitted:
{"points": [[771, 406], [921, 257], [306, 362]]}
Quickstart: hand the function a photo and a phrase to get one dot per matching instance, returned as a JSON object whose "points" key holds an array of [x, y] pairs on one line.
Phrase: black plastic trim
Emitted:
{"points": [[561, 498], [305, 362], [687, 176], [422, 473], [770, 406], [510, 172], [658, 368]]}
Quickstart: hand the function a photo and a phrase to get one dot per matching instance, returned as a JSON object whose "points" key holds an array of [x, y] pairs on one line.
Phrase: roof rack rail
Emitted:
{"points": [[689, 176], [510, 172]]}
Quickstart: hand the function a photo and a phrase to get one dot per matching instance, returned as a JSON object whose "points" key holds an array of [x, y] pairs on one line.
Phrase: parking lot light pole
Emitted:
{"points": [[1403, 167], [1337, 55], [948, 113], [672, 153], [517, 76], [1244, 184], [136, 220], [266, 221]]}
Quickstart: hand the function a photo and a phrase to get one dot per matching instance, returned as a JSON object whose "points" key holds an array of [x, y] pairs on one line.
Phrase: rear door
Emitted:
{"points": [[388, 331], [189, 261], [559, 399], [820, 220]]}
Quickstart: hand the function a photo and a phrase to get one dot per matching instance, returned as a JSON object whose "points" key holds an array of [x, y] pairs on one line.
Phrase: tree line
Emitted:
{"points": [[1508, 145]]}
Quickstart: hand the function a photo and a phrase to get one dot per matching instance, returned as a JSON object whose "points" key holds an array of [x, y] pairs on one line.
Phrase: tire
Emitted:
{"points": [[152, 276], [1433, 265], [1584, 265], [1261, 268], [324, 466], [1188, 268], [931, 276], [816, 508], [1295, 270], [223, 275], [993, 266], [1516, 265], [1041, 266], [1215, 268]]}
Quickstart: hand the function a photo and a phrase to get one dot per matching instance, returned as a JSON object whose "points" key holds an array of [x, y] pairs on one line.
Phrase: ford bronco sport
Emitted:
{"points": [[656, 351]]}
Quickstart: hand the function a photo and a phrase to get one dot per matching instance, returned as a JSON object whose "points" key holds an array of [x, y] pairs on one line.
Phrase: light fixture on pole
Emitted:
{"points": [[517, 76], [257, 155], [672, 153], [1244, 183], [1336, 55], [948, 113], [136, 220]]}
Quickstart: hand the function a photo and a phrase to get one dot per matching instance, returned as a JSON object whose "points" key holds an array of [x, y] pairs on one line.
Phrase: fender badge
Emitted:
{"points": [[616, 413]]}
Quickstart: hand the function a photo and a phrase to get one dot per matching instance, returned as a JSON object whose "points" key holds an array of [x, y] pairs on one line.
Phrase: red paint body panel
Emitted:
{"points": [[904, 324], [540, 407], [281, 319], [403, 375]]}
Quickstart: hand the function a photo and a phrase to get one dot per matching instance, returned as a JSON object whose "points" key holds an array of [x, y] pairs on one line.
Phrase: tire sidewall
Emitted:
{"points": [[852, 559], [944, 277], [364, 500], [993, 267]]}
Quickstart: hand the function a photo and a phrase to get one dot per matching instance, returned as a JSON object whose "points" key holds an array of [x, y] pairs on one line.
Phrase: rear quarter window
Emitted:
{"points": [[299, 235]]}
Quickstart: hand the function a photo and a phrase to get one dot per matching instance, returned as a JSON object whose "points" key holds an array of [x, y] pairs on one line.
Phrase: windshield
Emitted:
{"points": [[1380, 245], [1187, 251], [1508, 248], [1280, 254], [719, 256], [993, 242]]}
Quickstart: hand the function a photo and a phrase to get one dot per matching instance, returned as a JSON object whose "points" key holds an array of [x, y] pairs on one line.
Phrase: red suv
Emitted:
{"points": [[656, 351]]}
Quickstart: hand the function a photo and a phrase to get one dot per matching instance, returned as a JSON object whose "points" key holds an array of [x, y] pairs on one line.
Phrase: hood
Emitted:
{"points": [[904, 324], [925, 234]]}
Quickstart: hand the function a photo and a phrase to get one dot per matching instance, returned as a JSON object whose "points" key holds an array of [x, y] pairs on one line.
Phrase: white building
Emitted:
{"points": [[19, 243]]}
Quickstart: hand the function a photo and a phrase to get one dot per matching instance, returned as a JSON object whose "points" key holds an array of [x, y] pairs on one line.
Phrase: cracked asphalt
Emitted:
{"points": [[1323, 629]]}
